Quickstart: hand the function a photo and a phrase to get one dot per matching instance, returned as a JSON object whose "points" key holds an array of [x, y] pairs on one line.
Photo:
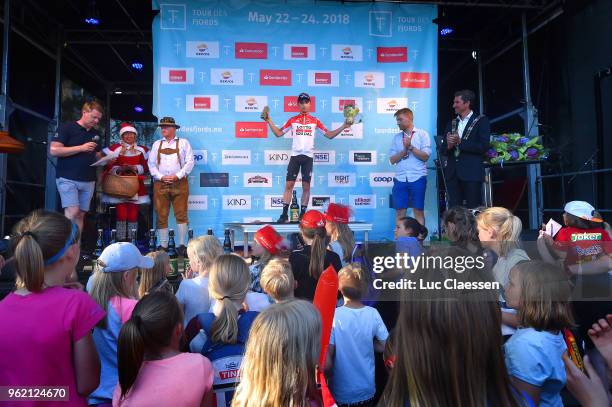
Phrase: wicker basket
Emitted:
{"points": [[120, 186]]}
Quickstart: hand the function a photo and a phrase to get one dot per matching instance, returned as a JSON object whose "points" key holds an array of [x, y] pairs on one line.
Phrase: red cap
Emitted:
{"points": [[338, 213], [269, 239], [127, 127], [313, 219]]}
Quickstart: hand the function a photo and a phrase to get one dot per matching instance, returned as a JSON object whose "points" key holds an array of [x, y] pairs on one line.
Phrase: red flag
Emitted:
{"points": [[325, 300]]}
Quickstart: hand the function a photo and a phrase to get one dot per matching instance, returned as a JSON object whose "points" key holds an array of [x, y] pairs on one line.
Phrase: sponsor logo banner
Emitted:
{"points": [[324, 78], [291, 104], [345, 52], [362, 201], [200, 157], [197, 202], [381, 179], [202, 103], [414, 80], [327, 157], [226, 76], [250, 103], [321, 201], [353, 132], [176, 76], [341, 179], [275, 77], [251, 130], [304, 52], [251, 50], [273, 202], [214, 179], [257, 180], [236, 202], [277, 157], [390, 105], [202, 49], [236, 157], [362, 157], [338, 103], [366, 79], [391, 54]]}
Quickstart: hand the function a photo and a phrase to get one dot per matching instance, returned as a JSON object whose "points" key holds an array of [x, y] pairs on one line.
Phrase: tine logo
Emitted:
{"points": [[414, 80], [391, 54], [202, 103], [323, 78], [305, 52], [299, 52], [176, 76], [339, 102], [342, 103], [251, 50], [291, 104]]}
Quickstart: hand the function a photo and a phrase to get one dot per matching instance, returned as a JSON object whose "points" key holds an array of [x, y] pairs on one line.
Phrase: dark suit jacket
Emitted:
{"points": [[468, 166]]}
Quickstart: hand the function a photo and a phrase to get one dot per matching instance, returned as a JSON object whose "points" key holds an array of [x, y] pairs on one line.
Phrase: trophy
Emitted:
{"points": [[350, 111], [265, 113]]}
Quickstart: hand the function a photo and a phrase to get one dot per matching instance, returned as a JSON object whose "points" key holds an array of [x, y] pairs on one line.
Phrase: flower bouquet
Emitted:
{"points": [[515, 147]]}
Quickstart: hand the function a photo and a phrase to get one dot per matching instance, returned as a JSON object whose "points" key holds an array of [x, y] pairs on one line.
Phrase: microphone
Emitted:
{"points": [[454, 126], [31, 140], [95, 138]]}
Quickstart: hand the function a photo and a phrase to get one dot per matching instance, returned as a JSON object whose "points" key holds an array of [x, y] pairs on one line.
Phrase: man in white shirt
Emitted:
{"points": [[409, 152], [170, 163]]}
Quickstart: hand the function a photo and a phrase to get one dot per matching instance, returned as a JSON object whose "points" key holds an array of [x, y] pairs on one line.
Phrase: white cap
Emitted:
{"points": [[123, 256], [127, 129], [581, 209]]}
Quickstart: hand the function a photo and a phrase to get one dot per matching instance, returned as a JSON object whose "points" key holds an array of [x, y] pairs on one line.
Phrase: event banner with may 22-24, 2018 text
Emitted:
{"points": [[217, 64]]}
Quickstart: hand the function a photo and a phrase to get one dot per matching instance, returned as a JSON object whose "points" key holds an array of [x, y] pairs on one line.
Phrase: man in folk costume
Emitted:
{"points": [[131, 159], [170, 163]]}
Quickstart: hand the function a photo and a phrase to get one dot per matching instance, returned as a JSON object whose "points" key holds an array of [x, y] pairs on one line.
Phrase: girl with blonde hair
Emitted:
{"points": [[279, 365], [221, 335], [340, 235], [154, 279], [46, 327], [192, 294]]}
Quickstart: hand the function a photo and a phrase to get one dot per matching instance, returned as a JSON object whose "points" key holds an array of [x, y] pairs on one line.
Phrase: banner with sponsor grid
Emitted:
{"points": [[217, 64]]}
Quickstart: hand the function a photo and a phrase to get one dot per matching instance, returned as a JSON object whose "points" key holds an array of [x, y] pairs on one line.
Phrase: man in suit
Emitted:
{"points": [[467, 139]]}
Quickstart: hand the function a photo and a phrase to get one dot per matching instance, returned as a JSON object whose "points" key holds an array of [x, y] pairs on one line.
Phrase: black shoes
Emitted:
{"points": [[283, 218]]}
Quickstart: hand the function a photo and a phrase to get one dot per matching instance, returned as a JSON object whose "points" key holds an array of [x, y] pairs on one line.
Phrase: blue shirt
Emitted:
{"points": [[76, 167], [410, 169], [410, 245], [535, 358], [353, 333]]}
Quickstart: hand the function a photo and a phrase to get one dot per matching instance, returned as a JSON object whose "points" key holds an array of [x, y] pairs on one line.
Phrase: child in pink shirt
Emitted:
{"points": [[46, 328], [152, 370]]}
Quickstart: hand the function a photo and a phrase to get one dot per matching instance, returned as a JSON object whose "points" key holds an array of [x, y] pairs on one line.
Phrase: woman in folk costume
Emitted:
{"points": [[132, 159]]}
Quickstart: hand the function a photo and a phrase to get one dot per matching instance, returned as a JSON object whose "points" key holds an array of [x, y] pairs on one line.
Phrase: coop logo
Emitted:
{"points": [[276, 157], [275, 77], [176, 76], [202, 103], [362, 157], [304, 52], [391, 54], [251, 50], [414, 80], [250, 103], [291, 104], [353, 132], [390, 105], [251, 130], [236, 202], [324, 78], [341, 179], [325, 157], [258, 180], [373, 80], [363, 201], [214, 179], [273, 202], [321, 201], [200, 157], [226, 76], [345, 52], [381, 179], [197, 202], [202, 49], [338, 103], [236, 157]]}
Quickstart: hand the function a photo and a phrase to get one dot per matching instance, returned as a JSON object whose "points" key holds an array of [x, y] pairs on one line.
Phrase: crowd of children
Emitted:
{"points": [[240, 335]]}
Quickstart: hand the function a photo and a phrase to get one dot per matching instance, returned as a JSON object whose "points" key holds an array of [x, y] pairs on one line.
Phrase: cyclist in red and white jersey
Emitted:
{"points": [[303, 128]]}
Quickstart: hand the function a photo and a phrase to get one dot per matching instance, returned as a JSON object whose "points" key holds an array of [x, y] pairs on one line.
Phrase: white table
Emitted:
{"points": [[285, 228]]}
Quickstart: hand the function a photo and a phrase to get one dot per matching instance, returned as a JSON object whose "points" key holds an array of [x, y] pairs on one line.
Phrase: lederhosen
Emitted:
{"points": [[175, 194]]}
